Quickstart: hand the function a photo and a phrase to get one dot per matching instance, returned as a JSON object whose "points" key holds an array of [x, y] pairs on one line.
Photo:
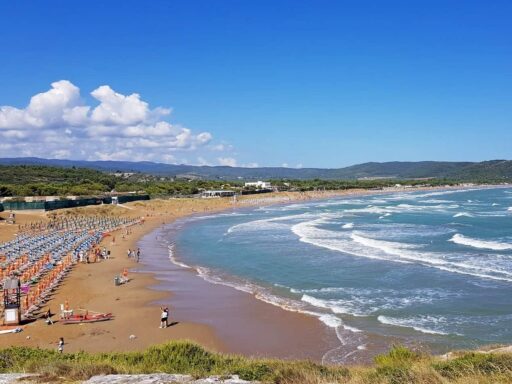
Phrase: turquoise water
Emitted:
{"points": [[433, 268]]}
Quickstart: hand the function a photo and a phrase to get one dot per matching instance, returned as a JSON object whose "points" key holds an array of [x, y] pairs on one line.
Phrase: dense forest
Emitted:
{"points": [[29, 180], [37, 180]]}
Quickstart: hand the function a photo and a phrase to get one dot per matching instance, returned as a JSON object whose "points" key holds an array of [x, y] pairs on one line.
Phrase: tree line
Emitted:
{"points": [[30, 180]]}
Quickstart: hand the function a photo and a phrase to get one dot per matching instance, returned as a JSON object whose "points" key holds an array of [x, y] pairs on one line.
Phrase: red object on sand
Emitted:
{"points": [[86, 318]]}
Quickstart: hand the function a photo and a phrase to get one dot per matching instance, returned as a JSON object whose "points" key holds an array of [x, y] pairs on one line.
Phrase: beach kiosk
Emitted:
{"points": [[12, 301], [12, 218]]}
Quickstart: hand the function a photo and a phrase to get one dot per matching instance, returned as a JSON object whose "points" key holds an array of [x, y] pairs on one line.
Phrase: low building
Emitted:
{"points": [[32, 199], [220, 193], [259, 185]]}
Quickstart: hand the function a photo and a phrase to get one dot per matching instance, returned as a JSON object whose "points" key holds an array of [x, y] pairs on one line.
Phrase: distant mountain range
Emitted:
{"points": [[486, 170]]}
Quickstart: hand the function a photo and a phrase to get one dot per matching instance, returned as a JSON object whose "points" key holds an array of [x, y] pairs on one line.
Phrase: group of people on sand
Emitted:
{"points": [[164, 323], [134, 254], [93, 255], [126, 232]]}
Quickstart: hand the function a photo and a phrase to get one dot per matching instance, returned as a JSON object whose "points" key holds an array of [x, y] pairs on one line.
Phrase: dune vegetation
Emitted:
{"points": [[400, 365]]}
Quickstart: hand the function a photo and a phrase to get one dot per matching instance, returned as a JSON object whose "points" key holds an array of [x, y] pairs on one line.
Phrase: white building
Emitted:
{"points": [[259, 185]]}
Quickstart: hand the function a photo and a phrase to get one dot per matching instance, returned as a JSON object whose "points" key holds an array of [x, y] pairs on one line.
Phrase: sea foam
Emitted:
{"points": [[358, 245], [481, 244], [409, 323], [463, 214], [173, 259]]}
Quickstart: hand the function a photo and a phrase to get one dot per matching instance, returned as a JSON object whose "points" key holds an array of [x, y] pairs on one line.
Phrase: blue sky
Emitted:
{"points": [[301, 83]]}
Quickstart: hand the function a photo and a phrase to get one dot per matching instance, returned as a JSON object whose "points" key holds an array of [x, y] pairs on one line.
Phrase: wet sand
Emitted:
{"points": [[244, 324]]}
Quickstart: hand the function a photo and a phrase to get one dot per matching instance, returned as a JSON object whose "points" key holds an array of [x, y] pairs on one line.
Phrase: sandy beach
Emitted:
{"points": [[218, 317]]}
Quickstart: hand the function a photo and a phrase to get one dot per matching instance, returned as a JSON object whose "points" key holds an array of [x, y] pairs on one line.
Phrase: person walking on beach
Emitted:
{"points": [[60, 346], [164, 316], [138, 254], [48, 316]]}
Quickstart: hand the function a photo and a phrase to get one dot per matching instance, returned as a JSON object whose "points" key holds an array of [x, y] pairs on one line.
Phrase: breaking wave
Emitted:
{"points": [[173, 258], [481, 244], [357, 244], [415, 323], [368, 302]]}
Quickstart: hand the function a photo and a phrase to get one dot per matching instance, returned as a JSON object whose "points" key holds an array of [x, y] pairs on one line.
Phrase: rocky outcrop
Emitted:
{"points": [[157, 378], [164, 378], [455, 354]]}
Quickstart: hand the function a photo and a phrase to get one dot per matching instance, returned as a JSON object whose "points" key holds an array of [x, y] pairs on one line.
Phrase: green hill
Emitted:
{"points": [[490, 170]]}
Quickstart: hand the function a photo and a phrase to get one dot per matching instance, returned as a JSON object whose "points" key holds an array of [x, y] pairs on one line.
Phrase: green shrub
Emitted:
{"points": [[396, 365], [475, 364], [254, 370]]}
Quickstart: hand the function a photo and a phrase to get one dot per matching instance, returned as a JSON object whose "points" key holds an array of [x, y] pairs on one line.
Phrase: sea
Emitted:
{"points": [[429, 269]]}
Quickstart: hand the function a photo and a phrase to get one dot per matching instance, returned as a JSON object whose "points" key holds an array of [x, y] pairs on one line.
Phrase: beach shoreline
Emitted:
{"points": [[135, 304]]}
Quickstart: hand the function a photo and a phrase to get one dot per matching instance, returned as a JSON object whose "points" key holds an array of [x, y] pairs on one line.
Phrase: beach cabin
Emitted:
{"points": [[219, 193], [12, 301]]}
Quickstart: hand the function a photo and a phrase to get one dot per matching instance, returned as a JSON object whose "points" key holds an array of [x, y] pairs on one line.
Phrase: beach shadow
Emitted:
{"points": [[173, 323], [30, 320]]}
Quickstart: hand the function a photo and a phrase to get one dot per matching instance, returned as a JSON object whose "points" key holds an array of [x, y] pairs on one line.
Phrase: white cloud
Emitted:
{"points": [[117, 109], [14, 134], [61, 154], [45, 109], [202, 161], [229, 161], [118, 127], [168, 158], [221, 147]]}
